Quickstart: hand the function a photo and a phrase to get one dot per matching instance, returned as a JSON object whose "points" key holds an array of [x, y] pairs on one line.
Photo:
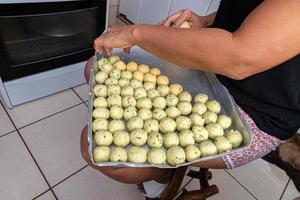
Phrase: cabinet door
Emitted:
{"points": [[131, 9], [214, 6], [153, 11], [198, 6]]}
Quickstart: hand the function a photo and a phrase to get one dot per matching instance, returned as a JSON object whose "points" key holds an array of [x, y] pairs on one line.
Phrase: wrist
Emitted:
{"points": [[135, 33]]}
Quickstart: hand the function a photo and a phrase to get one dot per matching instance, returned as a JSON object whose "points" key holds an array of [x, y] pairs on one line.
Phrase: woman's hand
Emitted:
{"points": [[185, 15], [116, 37]]}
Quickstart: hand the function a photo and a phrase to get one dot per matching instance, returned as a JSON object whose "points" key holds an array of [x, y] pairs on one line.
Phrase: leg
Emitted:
{"points": [[126, 174]]}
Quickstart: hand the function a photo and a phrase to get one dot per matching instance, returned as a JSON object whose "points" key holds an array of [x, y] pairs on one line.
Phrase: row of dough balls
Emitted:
{"points": [[175, 155]]}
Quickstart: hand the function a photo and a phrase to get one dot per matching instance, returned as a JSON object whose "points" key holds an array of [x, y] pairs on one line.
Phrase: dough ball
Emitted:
{"points": [[100, 124], [121, 138], [148, 77], [113, 90], [144, 102], [176, 89], [116, 125], [100, 102], [137, 155], [135, 123], [123, 82], [152, 93], [159, 114], [214, 130], [224, 121], [173, 112], [213, 105], [138, 137], [199, 108], [114, 100], [172, 100], [156, 156], [175, 155], [235, 137], [140, 92], [111, 81], [132, 66], [155, 71], [116, 112], [171, 139], [134, 83], [200, 133], [143, 68], [101, 154], [186, 137], [101, 76], [113, 59], [155, 140], [120, 65], [185, 107], [128, 101], [102, 62], [145, 114], [118, 154], [106, 67], [210, 117], [127, 91], [192, 153], [129, 113], [162, 80], [138, 75], [197, 120], [183, 123], [185, 96], [126, 75], [149, 86], [163, 90], [103, 138], [207, 148], [100, 113], [223, 144], [115, 73], [159, 102], [201, 98], [151, 125], [167, 125], [100, 91], [185, 25]]}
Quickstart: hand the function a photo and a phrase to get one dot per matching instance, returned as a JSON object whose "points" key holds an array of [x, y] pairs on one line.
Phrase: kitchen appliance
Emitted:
{"points": [[43, 45]]}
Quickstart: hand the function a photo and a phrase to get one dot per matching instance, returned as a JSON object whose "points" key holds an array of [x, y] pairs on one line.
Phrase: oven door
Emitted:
{"points": [[36, 37]]}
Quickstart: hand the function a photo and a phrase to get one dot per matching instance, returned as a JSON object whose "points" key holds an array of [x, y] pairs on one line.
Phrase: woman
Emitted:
{"points": [[253, 47]]}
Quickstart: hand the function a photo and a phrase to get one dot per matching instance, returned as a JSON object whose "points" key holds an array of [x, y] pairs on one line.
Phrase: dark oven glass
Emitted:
{"points": [[36, 37]]}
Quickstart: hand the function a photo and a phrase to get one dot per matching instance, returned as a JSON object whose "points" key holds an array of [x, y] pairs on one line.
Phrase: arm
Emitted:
{"points": [[268, 37]]}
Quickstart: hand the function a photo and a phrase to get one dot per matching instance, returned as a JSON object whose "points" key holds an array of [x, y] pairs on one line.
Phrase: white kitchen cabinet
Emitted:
{"points": [[214, 6], [198, 6], [153, 11], [130, 8]]}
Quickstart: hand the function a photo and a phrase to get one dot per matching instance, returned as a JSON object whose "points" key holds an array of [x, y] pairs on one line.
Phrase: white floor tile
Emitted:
{"points": [[19, 176], [229, 189], [262, 179], [291, 192], [5, 124], [82, 91], [47, 196], [38, 109], [90, 184], [55, 143]]}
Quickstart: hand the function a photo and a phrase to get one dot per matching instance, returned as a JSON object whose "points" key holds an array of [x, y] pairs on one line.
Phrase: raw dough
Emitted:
{"points": [[185, 107], [106, 67], [100, 102], [111, 81], [151, 125], [129, 113], [214, 130], [224, 121], [116, 125], [152, 93], [156, 156], [103, 138], [115, 73], [235, 137], [121, 138], [113, 90], [200, 133], [176, 89], [148, 86], [101, 154], [101, 113], [127, 91], [185, 96], [171, 139], [100, 91], [144, 102], [162, 80], [123, 82], [143, 68], [116, 112], [213, 105], [192, 153], [173, 112], [118, 154], [128, 101], [186, 137], [223, 144], [155, 140], [201, 98], [208, 148], [183, 123], [102, 61], [132, 66], [138, 76], [120, 65], [172, 100], [137, 155], [126, 75], [138, 137], [210, 117], [199, 108], [134, 83], [197, 120], [159, 114], [167, 125], [163, 90], [113, 59], [148, 77], [140, 92], [114, 100], [135, 123], [175, 155], [145, 114], [101, 76], [155, 71], [100, 124], [159, 102]]}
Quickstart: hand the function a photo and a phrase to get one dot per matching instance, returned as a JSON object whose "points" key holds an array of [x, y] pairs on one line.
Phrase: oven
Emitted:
{"points": [[38, 37]]}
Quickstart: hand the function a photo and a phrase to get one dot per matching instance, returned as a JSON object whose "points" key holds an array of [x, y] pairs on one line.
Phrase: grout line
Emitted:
{"points": [[7, 133], [41, 194], [284, 189], [50, 115], [9, 120], [69, 176], [30, 153], [240, 184], [77, 94]]}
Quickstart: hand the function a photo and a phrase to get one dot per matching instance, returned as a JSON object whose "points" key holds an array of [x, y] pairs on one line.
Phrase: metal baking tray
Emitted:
{"points": [[193, 81]]}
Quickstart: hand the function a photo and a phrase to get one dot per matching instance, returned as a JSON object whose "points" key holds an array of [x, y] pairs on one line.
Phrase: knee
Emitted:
{"points": [[87, 69]]}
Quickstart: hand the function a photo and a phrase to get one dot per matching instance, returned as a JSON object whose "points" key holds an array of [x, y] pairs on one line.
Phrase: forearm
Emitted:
{"points": [[206, 49]]}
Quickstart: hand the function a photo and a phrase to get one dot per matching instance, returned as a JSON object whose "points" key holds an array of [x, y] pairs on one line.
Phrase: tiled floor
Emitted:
{"points": [[40, 159]]}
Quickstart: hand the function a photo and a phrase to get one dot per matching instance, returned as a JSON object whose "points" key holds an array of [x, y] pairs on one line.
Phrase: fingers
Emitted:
{"points": [[169, 20], [185, 16]]}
